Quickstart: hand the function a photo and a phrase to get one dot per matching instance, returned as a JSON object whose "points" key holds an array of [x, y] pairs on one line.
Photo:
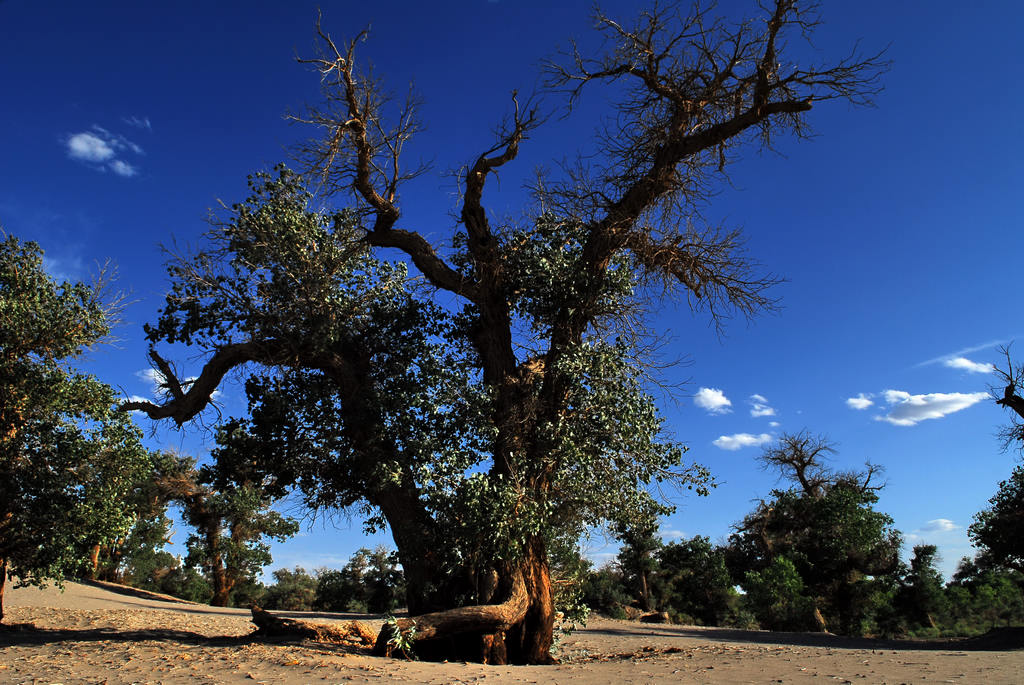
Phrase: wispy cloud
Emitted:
{"points": [[63, 269], [938, 526], [965, 364], [672, 534], [964, 351], [740, 440], [138, 122], [713, 400], [123, 168], [908, 410], [861, 401], [103, 150], [759, 406]]}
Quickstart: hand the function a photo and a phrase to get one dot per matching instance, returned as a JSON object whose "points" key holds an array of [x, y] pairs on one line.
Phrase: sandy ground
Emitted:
{"points": [[91, 635]]}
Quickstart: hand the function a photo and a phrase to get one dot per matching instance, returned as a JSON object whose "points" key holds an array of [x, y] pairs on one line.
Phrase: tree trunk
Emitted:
{"points": [[221, 586], [518, 630], [94, 562], [3, 584]]}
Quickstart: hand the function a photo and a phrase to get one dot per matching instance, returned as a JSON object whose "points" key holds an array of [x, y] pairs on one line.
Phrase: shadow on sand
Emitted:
{"points": [[997, 639], [28, 634]]}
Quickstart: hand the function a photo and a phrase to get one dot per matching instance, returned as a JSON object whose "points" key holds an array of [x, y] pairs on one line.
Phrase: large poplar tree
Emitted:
{"points": [[478, 431]]}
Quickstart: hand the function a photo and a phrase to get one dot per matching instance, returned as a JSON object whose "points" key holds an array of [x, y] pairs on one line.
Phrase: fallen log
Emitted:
{"points": [[351, 633], [484, 619]]}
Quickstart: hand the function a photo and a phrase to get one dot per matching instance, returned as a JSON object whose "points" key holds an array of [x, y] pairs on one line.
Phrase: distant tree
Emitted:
{"points": [[999, 530], [638, 561], [68, 459], [825, 527], [696, 580], [371, 581], [505, 400], [604, 591], [922, 597], [983, 595], [232, 517], [293, 590]]}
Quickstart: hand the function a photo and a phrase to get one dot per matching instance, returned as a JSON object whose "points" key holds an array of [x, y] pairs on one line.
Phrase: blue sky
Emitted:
{"points": [[895, 227]]}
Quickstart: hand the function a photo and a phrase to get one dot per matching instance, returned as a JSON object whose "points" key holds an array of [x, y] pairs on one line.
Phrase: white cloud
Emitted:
{"points": [[774, 424], [908, 410], [861, 401], [759, 406], [739, 440], [965, 364], [122, 168], [89, 148], [938, 526], [103, 149], [713, 400]]}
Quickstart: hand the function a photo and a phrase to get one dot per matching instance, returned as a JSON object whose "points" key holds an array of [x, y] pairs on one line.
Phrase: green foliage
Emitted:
{"points": [[401, 641], [696, 581], [982, 596], [371, 582], [293, 590], [842, 549], [777, 596], [638, 562], [605, 592], [999, 530], [922, 597], [164, 573], [68, 459], [376, 397]]}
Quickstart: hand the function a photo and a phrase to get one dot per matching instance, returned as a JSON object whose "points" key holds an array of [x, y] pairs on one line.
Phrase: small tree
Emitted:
{"points": [[922, 596], [68, 460], [638, 561]]}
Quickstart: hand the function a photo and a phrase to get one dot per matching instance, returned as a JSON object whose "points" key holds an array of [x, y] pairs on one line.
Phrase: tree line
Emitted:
{"points": [[484, 397], [815, 556]]}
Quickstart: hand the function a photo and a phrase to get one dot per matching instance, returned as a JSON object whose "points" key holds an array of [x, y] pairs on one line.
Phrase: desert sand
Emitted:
{"points": [[88, 634]]}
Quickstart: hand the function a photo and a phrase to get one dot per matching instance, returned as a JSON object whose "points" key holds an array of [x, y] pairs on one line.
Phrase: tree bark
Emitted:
{"points": [[94, 562], [353, 632], [3, 584]]}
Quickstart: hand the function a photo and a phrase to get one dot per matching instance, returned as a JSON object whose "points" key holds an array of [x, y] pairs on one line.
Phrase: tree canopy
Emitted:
{"points": [[68, 459], [499, 400]]}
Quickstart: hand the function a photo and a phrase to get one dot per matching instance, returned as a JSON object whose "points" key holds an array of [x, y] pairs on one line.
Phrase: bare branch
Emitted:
{"points": [[693, 86], [360, 154]]}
